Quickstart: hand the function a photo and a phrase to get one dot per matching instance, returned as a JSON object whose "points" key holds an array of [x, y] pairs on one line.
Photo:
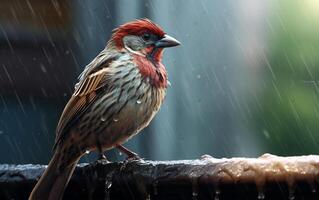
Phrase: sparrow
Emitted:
{"points": [[117, 95]]}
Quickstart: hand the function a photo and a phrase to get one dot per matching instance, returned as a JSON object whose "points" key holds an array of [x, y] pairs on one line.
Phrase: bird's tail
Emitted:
{"points": [[53, 182]]}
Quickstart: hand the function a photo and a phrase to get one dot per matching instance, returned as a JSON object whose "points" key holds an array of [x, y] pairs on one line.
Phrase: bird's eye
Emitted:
{"points": [[146, 36]]}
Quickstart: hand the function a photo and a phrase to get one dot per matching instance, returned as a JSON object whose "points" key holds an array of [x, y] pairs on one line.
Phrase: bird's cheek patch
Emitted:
{"points": [[132, 42], [148, 50]]}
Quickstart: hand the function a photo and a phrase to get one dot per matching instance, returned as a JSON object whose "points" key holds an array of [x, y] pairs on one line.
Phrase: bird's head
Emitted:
{"points": [[142, 37]]}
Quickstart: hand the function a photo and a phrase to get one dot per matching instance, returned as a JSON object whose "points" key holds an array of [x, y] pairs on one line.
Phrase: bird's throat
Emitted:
{"points": [[151, 70]]}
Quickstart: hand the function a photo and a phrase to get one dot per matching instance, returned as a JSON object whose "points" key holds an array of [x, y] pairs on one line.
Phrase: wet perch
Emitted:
{"points": [[267, 177]]}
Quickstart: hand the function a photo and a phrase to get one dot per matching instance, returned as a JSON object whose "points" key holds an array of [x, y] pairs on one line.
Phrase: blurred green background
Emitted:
{"points": [[244, 82], [288, 109]]}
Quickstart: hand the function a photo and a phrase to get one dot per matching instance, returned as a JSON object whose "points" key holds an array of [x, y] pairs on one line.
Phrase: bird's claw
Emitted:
{"points": [[131, 159], [134, 158]]}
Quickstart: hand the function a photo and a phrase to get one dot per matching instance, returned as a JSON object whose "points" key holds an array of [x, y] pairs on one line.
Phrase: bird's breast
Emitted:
{"points": [[126, 107]]}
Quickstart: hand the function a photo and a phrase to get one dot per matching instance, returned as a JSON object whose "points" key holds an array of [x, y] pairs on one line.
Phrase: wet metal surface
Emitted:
{"points": [[267, 177]]}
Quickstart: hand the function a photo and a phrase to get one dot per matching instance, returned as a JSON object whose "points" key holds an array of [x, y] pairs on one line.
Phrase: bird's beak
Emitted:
{"points": [[167, 41]]}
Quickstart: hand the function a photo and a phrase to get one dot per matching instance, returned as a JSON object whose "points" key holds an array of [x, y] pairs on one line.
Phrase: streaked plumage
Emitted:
{"points": [[117, 95]]}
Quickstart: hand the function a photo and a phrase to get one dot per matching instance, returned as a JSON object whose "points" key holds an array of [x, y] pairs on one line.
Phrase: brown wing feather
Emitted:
{"points": [[83, 95]]}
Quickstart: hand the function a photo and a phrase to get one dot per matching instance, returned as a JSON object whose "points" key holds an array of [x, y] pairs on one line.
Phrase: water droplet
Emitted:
{"points": [[194, 188], [108, 185], [1, 132], [198, 76], [217, 193], [314, 190], [115, 119], [169, 83], [291, 194], [138, 101], [291, 188], [120, 153], [194, 194], [87, 151], [312, 186], [206, 156], [103, 119], [261, 195]]}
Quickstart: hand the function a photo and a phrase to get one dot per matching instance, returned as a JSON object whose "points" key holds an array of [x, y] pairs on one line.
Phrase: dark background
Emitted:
{"points": [[244, 81]]}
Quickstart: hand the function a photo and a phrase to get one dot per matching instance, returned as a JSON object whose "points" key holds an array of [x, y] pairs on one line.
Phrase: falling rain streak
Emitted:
{"points": [[244, 81]]}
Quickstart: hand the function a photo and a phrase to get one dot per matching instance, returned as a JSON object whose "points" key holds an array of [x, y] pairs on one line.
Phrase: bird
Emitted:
{"points": [[116, 96]]}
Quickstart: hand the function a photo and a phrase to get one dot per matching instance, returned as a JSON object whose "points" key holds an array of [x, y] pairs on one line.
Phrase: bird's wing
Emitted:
{"points": [[85, 92]]}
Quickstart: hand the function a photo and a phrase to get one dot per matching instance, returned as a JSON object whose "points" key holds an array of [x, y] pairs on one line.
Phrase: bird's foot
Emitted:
{"points": [[129, 160], [134, 157], [130, 154]]}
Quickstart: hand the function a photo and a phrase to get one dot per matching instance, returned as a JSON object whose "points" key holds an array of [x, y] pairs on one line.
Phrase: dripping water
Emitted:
{"points": [[217, 193], [155, 189], [148, 197], [107, 186], [291, 195], [194, 189], [261, 195]]}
